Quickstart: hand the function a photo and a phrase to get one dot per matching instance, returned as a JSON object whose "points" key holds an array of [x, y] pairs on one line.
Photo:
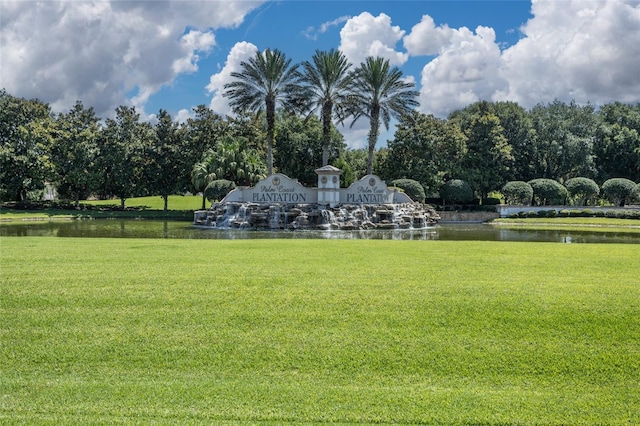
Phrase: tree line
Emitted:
{"points": [[285, 122]]}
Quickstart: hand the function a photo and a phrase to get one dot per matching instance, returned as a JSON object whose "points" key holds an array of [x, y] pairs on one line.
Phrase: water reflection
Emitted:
{"points": [[109, 228]]}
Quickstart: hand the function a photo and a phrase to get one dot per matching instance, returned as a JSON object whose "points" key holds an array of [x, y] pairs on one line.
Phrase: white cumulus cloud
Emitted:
{"points": [[587, 51], [367, 35], [240, 52], [105, 53]]}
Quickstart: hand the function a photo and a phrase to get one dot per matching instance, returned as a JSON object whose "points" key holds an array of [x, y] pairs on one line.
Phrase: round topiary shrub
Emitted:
{"points": [[517, 192], [412, 188], [456, 191], [548, 192], [581, 190], [618, 190], [636, 194], [217, 189]]}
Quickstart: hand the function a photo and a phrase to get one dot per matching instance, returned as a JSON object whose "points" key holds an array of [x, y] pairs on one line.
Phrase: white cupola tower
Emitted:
{"points": [[328, 185]]}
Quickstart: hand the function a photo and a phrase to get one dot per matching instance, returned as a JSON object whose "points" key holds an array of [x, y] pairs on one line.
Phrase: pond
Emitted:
{"points": [[127, 228]]}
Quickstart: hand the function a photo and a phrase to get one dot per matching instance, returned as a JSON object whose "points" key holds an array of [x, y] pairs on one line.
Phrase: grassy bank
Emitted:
{"points": [[180, 208], [293, 331], [598, 224]]}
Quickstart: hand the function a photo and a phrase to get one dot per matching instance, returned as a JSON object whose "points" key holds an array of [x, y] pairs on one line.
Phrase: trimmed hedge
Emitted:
{"points": [[456, 191], [548, 192], [618, 190], [581, 189], [217, 189], [517, 192], [619, 214], [412, 188]]}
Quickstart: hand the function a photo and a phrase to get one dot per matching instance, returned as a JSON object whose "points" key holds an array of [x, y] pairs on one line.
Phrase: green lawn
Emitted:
{"points": [[597, 224], [98, 331], [179, 208], [176, 202]]}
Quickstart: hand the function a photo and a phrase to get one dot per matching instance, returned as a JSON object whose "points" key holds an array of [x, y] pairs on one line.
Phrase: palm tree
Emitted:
{"points": [[231, 160], [266, 80], [329, 80], [379, 92]]}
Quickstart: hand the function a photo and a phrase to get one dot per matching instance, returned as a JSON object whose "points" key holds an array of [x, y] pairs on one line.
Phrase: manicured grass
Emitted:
{"points": [[176, 202], [597, 224], [180, 208], [318, 331]]}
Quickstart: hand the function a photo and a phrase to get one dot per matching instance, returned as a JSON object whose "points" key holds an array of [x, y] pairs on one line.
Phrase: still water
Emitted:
{"points": [[109, 228]]}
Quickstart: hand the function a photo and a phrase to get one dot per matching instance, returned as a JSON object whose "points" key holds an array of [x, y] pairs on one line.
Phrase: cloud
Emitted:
{"points": [[106, 53], [587, 51], [240, 52], [312, 33], [464, 69], [367, 35], [579, 50]]}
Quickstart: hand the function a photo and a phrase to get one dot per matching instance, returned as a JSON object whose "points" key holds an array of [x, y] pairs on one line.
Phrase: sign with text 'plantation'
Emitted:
{"points": [[368, 190], [277, 188]]}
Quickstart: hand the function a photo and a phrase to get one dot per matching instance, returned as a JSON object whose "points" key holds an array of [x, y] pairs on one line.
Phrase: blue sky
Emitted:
{"points": [[177, 54], [296, 28]]}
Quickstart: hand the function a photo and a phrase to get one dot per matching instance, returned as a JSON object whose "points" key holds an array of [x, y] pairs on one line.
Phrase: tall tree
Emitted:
{"points": [[230, 160], [299, 147], [329, 80], [563, 140], [617, 142], [202, 133], [426, 149], [163, 158], [486, 163], [25, 146], [267, 80], [74, 152], [121, 147], [379, 93]]}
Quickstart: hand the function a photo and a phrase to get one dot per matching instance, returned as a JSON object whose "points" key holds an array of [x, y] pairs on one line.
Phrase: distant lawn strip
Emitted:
{"points": [[596, 224], [323, 331], [176, 202], [181, 208]]}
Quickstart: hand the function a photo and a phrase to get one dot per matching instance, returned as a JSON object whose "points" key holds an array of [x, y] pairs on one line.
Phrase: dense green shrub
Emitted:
{"points": [[496, 195], [491, 201], [517, 192], [633, 214], [547, 213], [618, 190], [217, 189], [564, 213], [635, 198], [412, 188], [456, 191], [548, 192], [581, 190]]}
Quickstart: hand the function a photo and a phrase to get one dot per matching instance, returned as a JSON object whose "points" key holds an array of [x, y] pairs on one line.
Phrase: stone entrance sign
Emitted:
{"points": [[368, 190], [277, 188], [279, 202]]}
